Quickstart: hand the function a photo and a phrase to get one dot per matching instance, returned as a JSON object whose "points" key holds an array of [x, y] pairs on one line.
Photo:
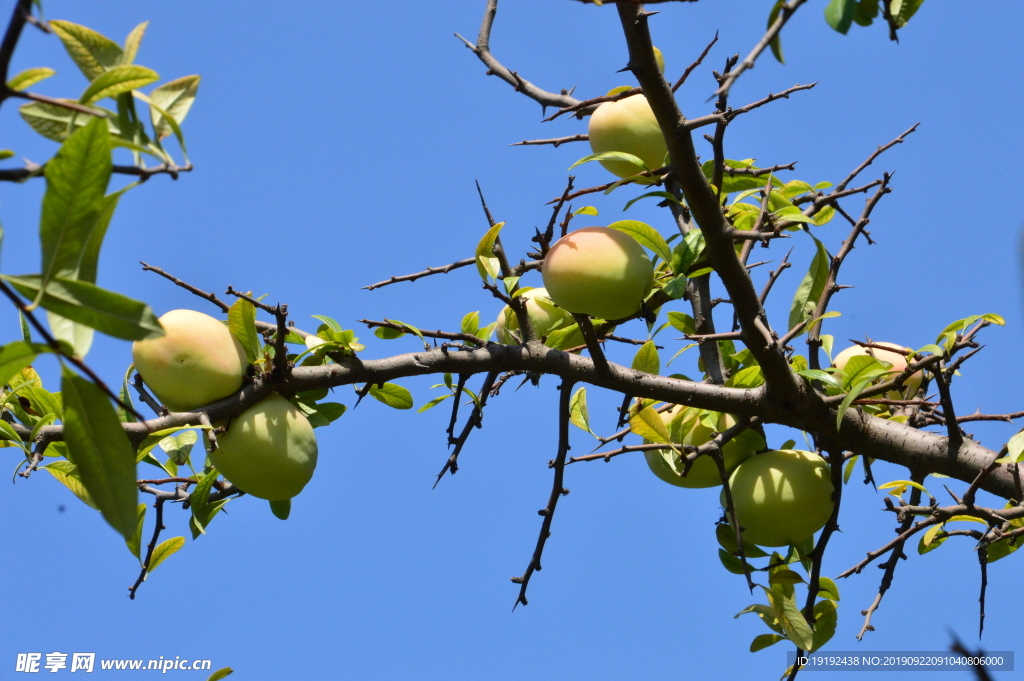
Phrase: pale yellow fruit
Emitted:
{"points": [[660, 58], [897, 358], [196, 362], [685, 428], [598, 271], [269, 450], [781, 497], [627, 125], [545, 317]]}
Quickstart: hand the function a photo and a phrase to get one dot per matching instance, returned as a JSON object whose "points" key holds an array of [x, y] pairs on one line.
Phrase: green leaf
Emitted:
{"points": [[898, 484], [776, 43], [104, 457], [562, 339], [647, 424], [855, 392], [432, 403], [393, 395], [1014, 448], [221, 673], [471, 323], [646, 359], [828, 589], [809, 292], [685, 254], [199, 500], [732, 563], [414, 330], [790, 618], [486, 263], [76, 180], [646, 235], [839, 14], [682, 322], [578, 414], [92, 53], [586, 210], [681, 351], [750, 377], [179, 447], [164, 551], [727, 539], [100, 309], [29, 77], [78, 336], [134, 542], [242, 323], [848, 468], [116, 80], [281, 508], [819, 375], [612, 156], [826, 617], [668, 196], [56, 122], [132, 42], [928, 541], [764, 640], [16, 356], [765, 613], [903, 10], [66, 473]]}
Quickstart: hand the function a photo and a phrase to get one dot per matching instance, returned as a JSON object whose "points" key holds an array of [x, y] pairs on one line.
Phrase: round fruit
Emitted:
{"points": [[896, 357], [195, 363], [627, 125], [781, 497], [269, 450], [545, 317], [684, 427], [598, 271]]}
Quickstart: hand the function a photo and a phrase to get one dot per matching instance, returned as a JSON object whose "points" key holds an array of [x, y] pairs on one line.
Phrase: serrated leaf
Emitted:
{"points": [[647, 424], [486, 264], [809, 292], [56, 122], [645, 235], [164, 550], [175, 98], [112, 313], [29, 77], [103, 456], [92, 52], [76, 180], [579, 416], [646, 359], [790, 618], [66, 473], [393, 395], [116, 80]]}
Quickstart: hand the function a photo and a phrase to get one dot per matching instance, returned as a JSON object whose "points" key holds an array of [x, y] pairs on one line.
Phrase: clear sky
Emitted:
{"points": [[337, 144]]}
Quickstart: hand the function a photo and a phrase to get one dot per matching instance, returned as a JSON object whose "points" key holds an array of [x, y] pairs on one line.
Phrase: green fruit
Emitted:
{"points": [[545, 317], [781, 497], [897, 358], [685, 427], [269, 450], [195, 363], [599, 272], [627, 125]]}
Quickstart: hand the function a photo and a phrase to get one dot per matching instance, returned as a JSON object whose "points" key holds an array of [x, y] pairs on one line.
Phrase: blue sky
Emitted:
{"points": [[337, 146]]}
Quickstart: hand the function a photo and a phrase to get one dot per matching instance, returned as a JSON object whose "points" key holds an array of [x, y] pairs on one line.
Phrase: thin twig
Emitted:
{"points": [[205, 295]]}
